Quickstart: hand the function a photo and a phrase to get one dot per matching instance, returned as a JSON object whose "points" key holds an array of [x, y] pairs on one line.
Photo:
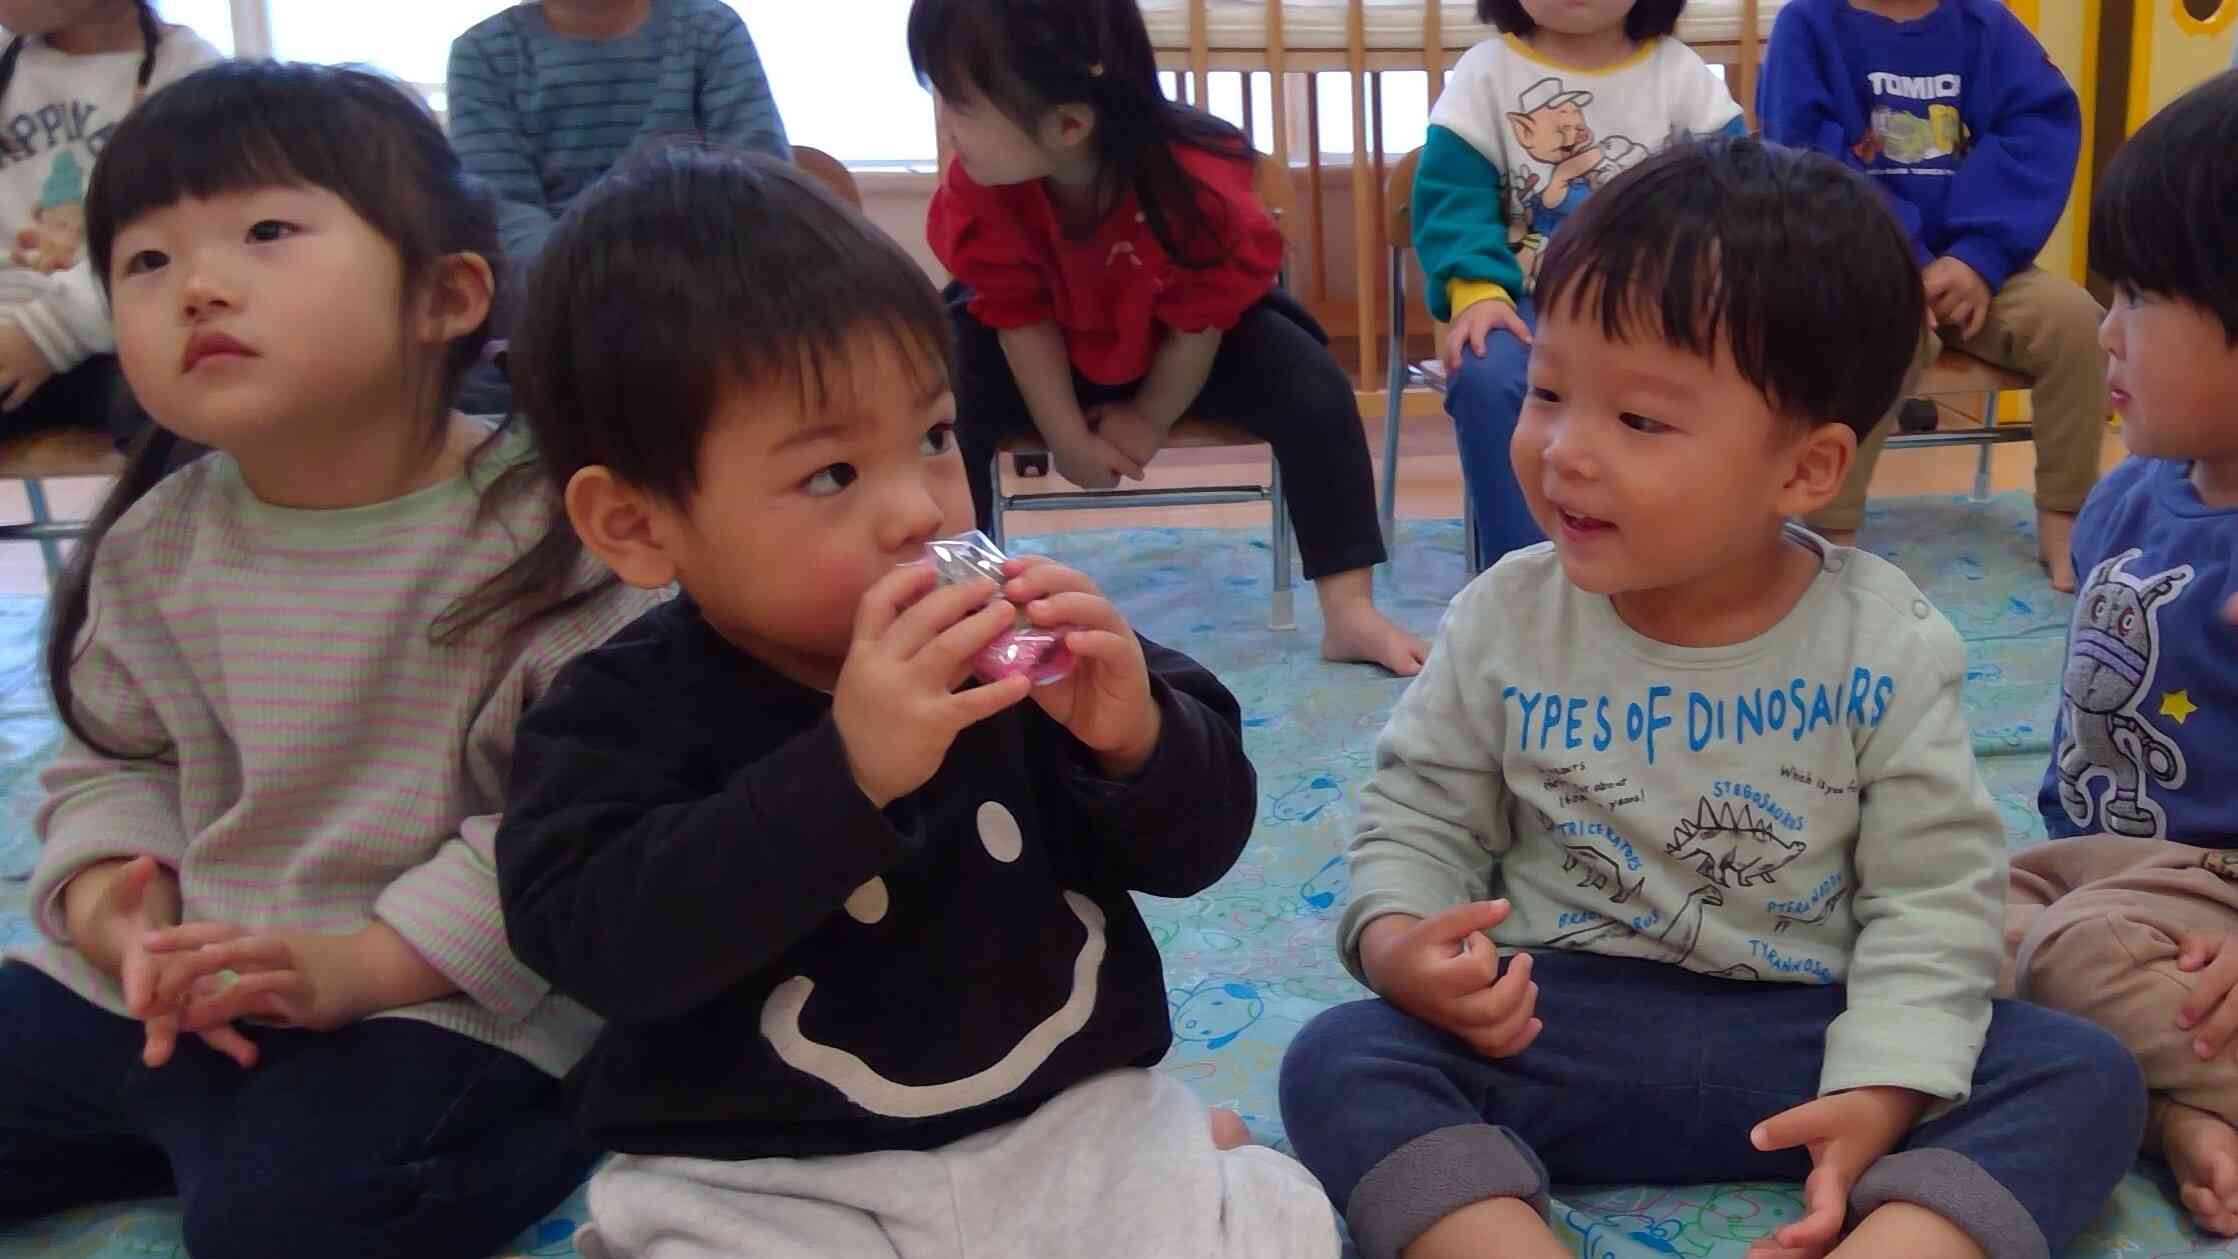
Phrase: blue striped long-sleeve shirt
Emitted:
{"points": [[542, 115]]}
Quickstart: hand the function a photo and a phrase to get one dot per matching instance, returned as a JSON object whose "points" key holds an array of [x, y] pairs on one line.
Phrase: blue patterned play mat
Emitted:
{"points": [[1250, 960]]}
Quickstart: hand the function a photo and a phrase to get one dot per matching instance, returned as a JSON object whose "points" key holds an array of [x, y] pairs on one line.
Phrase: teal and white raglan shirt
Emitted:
{"points": [[1517, 142], [1802, 807], [55, 122]]}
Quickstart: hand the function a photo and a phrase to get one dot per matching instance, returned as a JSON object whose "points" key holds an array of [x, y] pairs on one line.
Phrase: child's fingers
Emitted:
{"points": [[2218, 974], [184, 976], [938, 613], [1086, 610], [1521, 1009], [1509, 1044], [948, 656], [230, 1042], [161, 1039], [1798, 1125], [882, 604], [1824, 1210], [2195, 949], [970, 707], [1046, 579], [266, 994], [1105, 648], [191, 936]]}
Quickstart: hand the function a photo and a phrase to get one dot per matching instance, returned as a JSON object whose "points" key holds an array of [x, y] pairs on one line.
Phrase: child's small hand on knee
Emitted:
{"points": [[1445, 971], [1473, 325], [2211, 957], [1845, 1133]]}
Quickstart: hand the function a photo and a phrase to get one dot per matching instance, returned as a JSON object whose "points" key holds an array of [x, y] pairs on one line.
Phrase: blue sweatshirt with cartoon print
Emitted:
{"points": [[2146, 741], [1959, 115]]}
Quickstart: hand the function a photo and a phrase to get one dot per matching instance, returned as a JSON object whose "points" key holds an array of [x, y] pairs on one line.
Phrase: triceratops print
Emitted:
{"points": [[1601, 872], [2113, 651], [1730, 846]]}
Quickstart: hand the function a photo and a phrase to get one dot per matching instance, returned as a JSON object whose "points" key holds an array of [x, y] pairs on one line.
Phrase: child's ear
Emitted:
{"points": [[1821, 462], [621, 525], [1069, 126], [458, 298]]}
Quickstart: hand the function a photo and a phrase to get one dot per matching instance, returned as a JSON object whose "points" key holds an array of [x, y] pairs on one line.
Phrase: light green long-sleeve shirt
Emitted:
{"points": [[1802, 807]]}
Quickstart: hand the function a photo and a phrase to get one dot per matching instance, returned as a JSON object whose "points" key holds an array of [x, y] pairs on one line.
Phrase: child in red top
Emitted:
{"points": [[1114, 271]]}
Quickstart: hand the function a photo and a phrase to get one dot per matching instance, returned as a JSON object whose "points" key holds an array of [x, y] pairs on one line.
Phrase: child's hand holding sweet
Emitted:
{"points": [[1845, 1133], [896, 702], [1105, 701], [1445, 971]]}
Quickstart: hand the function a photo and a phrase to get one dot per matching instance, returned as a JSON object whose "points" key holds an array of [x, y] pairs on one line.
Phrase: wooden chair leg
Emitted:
{"points": [[1282, 611], [49, 549]]}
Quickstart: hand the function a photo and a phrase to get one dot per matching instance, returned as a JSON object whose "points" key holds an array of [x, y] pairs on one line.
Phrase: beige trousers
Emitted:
{"points": [[2044, 326], [2091, 927]]}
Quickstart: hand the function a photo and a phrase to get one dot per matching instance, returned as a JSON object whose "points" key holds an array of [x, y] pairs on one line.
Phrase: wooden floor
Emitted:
{"points": [[1429, 485]]}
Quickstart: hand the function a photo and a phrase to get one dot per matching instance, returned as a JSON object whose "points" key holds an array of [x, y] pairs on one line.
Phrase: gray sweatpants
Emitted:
{"points": [[1119, 1167]]}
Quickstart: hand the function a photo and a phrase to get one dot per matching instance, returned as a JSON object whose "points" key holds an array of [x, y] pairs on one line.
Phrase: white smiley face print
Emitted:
{"points": [[864, 1084]]}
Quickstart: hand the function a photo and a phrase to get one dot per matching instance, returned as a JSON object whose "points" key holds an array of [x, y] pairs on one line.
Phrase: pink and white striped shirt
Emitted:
{"points": [[318, 762]]}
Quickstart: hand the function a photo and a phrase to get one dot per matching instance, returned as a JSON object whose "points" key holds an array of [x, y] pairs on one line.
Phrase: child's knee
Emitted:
{"points": [[1494, 379]]}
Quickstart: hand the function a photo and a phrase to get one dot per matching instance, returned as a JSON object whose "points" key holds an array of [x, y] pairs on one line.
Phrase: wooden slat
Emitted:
{"points": [[1433, 47], [1200, 57], [1751, 49], [1363, 191], [1277, 86]]}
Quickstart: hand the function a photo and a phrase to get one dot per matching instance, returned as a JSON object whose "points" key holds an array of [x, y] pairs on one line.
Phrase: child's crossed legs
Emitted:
{"points": [[2097, 926]]}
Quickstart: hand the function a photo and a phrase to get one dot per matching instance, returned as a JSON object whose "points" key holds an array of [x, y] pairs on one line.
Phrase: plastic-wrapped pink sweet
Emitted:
{"points": [[1039, 652]]}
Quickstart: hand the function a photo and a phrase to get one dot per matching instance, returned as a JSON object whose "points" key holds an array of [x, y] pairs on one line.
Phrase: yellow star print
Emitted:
{"points": [[2177, 704]]}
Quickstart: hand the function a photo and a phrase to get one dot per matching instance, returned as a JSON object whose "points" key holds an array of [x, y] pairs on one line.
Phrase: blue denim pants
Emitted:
{"points": [[1485, 398], [1650, 1074]]}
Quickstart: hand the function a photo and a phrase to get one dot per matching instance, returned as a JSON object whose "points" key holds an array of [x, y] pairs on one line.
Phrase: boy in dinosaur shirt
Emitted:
{"points": [[1716, 773]]}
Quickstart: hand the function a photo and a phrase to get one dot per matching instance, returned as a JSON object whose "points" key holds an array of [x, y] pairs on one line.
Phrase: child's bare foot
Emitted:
{"points": [[2202, 1150], [1366, 634], [1228, 1130], [2055, 531], [1352, 628]]}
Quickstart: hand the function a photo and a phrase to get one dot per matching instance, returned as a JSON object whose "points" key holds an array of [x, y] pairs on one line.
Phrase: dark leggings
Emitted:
{"points": [[1273, 377]]}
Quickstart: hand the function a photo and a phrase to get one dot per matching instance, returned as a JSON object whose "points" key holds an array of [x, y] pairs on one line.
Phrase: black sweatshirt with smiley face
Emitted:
{"points": [[786, 971]]}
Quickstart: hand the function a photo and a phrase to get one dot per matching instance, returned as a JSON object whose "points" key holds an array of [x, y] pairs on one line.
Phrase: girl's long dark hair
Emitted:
{"points": [[241, 125], [1029, 56]]}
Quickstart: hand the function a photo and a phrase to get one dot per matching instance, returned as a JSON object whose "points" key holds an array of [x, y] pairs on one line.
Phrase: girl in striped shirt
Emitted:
{"points": [[273, 975]]}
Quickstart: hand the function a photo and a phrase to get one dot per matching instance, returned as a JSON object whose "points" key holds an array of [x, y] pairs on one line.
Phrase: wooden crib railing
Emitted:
{"points": [[1293, 42]]}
